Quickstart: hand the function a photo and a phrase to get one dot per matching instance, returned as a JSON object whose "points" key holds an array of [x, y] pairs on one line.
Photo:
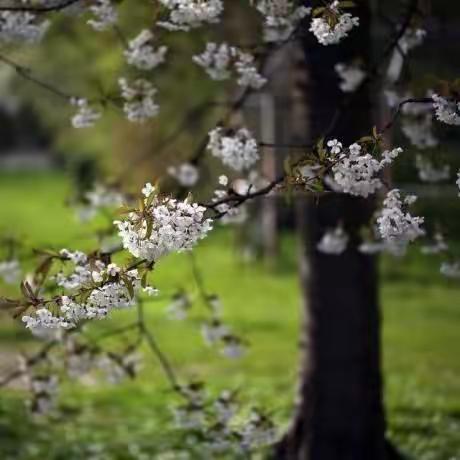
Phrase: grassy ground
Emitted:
{"points": [[421, 342]]}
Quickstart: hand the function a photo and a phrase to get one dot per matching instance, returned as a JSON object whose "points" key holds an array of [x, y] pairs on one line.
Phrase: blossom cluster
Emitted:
{"points": [[230, 214], [450, 269], [104, 15], [331, 28], [164, 225], [217, 423], [10, 271], [100, 197], [395, 223], [281, 18], [44, 391], [189, 14], [351, 75], [139, 102], [419, 131], [81, 359], [236, 149], [218, 59], [179, 307], [94, 289], [142, 54], [356, 173], [334, 241], [86, 116], [21, 26], [215, 333], [447, 111], [186, 174], [417, 119], [412, 38], [429, 172], [437, 246]]}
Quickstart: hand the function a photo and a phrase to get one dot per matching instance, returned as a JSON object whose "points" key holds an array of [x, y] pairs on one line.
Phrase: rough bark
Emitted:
{"points": [[340, 412]]}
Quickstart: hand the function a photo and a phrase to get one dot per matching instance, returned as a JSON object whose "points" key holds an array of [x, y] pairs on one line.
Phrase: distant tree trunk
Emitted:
{"points": [[340, 411]]}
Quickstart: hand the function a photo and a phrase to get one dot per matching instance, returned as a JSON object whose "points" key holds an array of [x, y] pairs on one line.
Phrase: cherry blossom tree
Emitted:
{"points": [[343, 166]]}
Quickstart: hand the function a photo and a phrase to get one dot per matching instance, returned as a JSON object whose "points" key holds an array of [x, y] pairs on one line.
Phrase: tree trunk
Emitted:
{"points": [[340, 412]]}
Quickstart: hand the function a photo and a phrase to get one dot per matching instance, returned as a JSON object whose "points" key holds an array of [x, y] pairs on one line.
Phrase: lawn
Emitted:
{"points": [[421, 341]]}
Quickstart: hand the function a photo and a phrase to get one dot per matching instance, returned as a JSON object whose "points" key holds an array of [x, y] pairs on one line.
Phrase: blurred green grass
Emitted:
{"points": [[421, 341]]}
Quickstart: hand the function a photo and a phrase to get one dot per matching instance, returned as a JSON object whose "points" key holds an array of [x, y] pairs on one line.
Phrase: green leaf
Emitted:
{"points": [[84, 295], [347, 4], [43, 269], [144, 279], [129, 286], [149, 221], [318, 11], [26, 289]]}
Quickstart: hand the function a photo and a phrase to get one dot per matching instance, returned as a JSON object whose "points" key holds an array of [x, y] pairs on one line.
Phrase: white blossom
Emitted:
{"points": [[86, 116], [258, 431], [179, 307], [371, 247], [352, 76], [10, 271], [79, 362], [447, 111], [247, 72], [100, 197], [331, 32], [116, 370], [225, 407], [167, 225], [395, 223], [21, 26], [105, 289], [412, 38], [213, 331], [232, 347], [428, 172], [105, 15], [77, 257], [233, 215], [335, 146], [216, 60], [148, 189], [223, 180], [334, 241], [450, 269], [189, 417], [419, 131], [281, 17], [417, 119], [189, 14], [150, 291], [44, 389], [142, 54], [457, 182], [357, 173], [139, 103], [238, 149], [219, 60], [44, 319], [437, 246], [186, 174]]}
